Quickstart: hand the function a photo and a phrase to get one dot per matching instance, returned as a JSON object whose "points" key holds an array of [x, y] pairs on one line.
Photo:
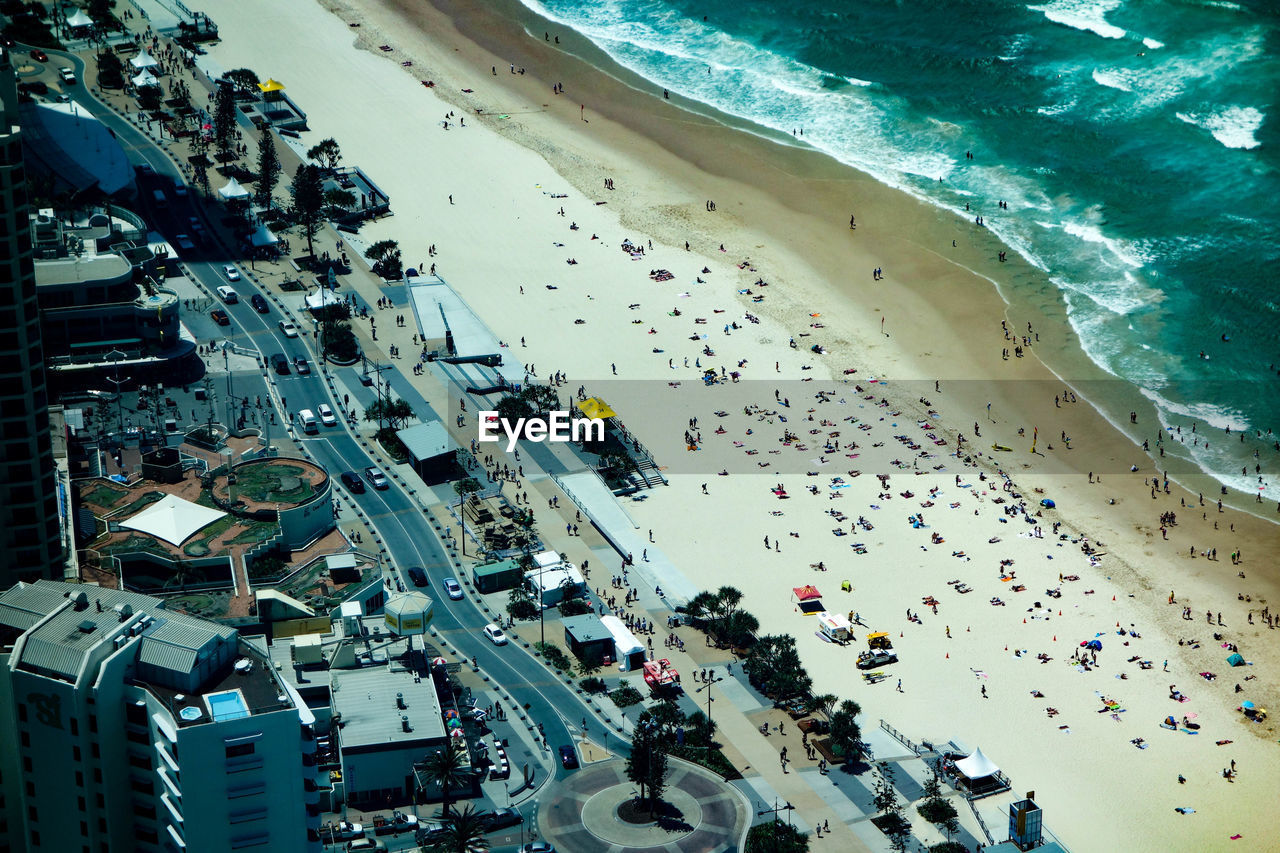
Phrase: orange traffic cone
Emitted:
{"points": [[1113, 598], [1059, 612], [948, 655], [1117, 624], [900, 634], [1024, 621], [1006, 648], [1055, 638]]}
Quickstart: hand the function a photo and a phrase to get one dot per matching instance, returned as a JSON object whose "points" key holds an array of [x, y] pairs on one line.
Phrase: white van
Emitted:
{"points": [[228, 294], [308, 420]]}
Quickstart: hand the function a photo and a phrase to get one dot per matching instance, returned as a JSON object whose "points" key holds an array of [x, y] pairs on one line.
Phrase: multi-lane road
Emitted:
{"points": [[406, 532]]}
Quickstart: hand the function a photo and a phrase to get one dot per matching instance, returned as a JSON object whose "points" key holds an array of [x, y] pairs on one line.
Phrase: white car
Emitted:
{"points": [[231, 273], [327, 416], [454, 590], [289, 330], [68, 75], [495, 635]]}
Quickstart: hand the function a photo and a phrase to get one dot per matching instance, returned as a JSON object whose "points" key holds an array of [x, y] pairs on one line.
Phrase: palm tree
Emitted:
{"points": [[464, 833], [446, 768]]}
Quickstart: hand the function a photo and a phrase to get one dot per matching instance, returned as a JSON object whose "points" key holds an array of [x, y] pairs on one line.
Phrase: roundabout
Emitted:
{"points": [[595, 809]]}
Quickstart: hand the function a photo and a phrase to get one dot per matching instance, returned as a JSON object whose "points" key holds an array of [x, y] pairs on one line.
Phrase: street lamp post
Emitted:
{"points": [[712, 679], [786, 807], [118, 382]]}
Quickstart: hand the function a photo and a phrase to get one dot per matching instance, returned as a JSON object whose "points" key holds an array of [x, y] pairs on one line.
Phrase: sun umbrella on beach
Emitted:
{"points": [[1247, 705]]}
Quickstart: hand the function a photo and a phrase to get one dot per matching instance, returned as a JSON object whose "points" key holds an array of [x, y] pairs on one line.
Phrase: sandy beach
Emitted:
{"points": [[516, 203]]}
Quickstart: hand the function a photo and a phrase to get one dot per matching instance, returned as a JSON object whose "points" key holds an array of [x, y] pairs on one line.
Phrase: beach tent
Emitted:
{"points": [[143, 61], [1236, 660], [594, 407], [977, 766], [1095, 645], [322, 298], [808, 592], [233, 190], [79, 20], [144, 79], [1047, 503]]}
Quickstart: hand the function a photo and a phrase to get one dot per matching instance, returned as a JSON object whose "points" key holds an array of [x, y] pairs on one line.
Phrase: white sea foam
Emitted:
{"points": [[1218, 417], [1152, 44], [1112, 78], [1086, 15], [1057, 109], [1234, 126]]}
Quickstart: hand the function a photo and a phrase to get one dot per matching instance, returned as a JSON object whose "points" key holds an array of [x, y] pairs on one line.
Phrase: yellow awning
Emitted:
{"points": [[877, 635], [271, 86], [594, 407]]}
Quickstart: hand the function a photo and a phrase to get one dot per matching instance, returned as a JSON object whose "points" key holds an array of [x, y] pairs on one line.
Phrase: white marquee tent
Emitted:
{"points": [[977, 766], [144, 60], [233, 190], [79, 20], [145, 78], [264, 237], [173, 519]]}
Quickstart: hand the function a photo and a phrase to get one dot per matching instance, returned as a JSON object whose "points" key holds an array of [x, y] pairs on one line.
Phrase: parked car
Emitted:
{"points": [[352, 481], [259, 303], [418, 576], [430, 831], [376, 478], [39, 55], [501, 819], [327, 417], [231, 273], [220, 317], [536, 847], [493, 632], [873, 659], [304, 366], [68, 76], [568, 757], [289, 330]]}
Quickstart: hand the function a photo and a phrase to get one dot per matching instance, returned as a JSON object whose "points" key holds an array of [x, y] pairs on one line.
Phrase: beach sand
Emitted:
{"points": [[488, 196]]}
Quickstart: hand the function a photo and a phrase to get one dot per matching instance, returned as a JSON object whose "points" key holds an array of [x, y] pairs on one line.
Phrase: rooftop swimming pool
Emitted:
{"points": [[227, 705]]}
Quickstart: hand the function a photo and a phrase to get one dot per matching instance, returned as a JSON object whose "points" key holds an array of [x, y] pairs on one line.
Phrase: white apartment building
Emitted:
{"points": [[129, 727]]}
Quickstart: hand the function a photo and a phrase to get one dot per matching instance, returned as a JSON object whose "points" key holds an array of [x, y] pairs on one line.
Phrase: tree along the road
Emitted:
{"points": [[385, 255], [394, 412], [936, 809], [308, 201], [224, 119], [520, 603], [268, 168], [885, 799], [727, 624], [339, 342], [464, 832], [776, 837], [110, 70], [327, 153], [446, 767], [846, 734], [647, 764]]}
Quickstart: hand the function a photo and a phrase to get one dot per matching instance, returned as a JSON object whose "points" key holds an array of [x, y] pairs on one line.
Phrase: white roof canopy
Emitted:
{"points": [[233, 189], [264, 237], [144, 60], [173, 519], [79, 19], [145, 78], [321, 298], [977, 766]]}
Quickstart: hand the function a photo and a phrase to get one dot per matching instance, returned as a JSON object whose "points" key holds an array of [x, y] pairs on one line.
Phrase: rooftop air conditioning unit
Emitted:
{"points": [[404, 723], [400, 701]]}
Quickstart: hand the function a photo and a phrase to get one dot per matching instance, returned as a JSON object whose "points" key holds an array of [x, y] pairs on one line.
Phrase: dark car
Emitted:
{"points": [[304, 366], [220, 317], [501, 819], [280, 363], [259, 303], [352, 481], [568, 758], [418, 576]]}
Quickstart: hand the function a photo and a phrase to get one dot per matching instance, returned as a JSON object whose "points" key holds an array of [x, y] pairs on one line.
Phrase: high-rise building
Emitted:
{"points": [[30, 536], [129, 727]]}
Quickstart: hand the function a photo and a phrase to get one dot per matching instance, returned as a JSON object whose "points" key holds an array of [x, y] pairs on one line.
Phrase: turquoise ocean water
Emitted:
{"points": [[1135, 142]]}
